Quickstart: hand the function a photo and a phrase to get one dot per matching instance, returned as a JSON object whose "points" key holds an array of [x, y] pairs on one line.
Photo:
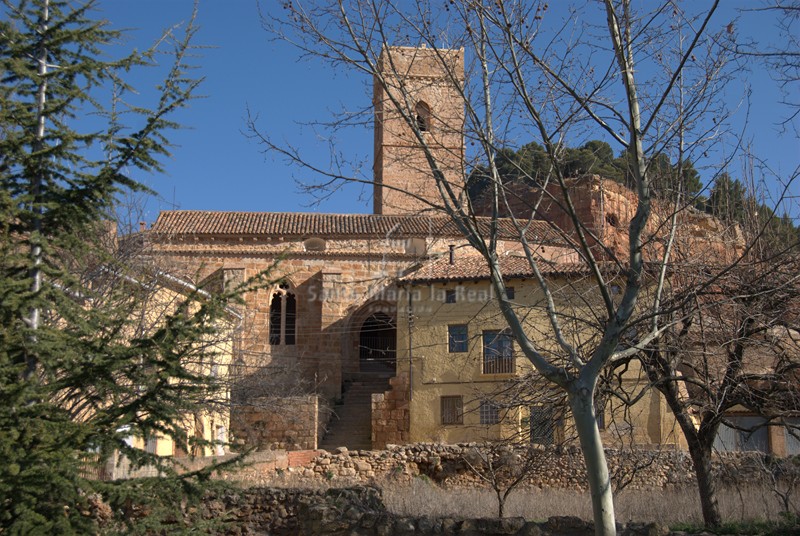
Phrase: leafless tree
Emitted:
{"points": [[647, 78], [504, 467], [733, 346], [781, 56]]}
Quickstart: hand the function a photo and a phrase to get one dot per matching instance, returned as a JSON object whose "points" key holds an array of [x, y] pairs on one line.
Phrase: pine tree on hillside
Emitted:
{"points": [[728, 199], [531, 165], [733, 202], [82, 368]]}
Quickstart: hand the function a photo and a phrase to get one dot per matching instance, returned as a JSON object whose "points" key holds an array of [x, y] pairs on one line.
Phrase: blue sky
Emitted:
{"points": [[216, 167]]}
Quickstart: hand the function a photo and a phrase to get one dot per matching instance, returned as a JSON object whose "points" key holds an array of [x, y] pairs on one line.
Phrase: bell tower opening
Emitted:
{"points": [[422, 113]]}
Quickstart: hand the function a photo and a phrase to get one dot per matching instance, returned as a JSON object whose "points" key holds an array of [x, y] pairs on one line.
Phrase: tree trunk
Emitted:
{"points": [[706, 485], [699, 451], [37, 183], [501, 505], [582, 405]]}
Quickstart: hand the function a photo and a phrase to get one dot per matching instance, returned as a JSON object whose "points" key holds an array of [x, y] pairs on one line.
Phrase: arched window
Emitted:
{"points": [[423, 115], [282, 316]]}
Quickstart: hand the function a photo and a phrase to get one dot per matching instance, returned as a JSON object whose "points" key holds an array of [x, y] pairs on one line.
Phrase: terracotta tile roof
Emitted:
{"points": [[300, 224], [473, 267]]}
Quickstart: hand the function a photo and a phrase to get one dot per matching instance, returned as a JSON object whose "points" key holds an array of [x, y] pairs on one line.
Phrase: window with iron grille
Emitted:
{"points": [[543, 425], [490, 413], [450, 296], [792, 436], [457, 338], [510, 293], [600, 414], [498, 352], [151, 445], [452, 410], [745, 433]]}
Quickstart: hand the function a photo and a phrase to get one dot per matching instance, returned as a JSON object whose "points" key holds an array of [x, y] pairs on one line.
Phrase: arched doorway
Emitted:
{"points": [[377, 344]]}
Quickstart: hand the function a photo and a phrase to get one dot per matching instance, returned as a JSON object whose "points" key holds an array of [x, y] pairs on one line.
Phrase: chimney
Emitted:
{"points": [[452, 254], [142, 226]]}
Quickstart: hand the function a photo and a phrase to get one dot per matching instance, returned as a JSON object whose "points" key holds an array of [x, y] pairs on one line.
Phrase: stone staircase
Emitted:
{"points": [[351, 423]]}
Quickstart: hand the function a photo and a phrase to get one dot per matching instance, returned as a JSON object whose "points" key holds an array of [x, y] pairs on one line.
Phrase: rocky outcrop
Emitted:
{"points": [[605, 208]]}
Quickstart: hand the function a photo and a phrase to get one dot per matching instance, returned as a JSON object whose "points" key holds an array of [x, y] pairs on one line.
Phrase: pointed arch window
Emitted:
{"points": [[423, 114], [283, 316]]}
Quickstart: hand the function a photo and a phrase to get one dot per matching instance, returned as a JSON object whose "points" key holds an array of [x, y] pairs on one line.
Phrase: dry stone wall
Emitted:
{"points": [[554, 468], [360, 511]]}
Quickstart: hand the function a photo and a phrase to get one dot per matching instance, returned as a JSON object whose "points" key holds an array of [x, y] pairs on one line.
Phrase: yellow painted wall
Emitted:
{"points": [[436, 372], [218, 358]]}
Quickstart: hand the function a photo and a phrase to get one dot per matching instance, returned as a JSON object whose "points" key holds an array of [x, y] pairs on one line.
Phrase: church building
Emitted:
{"points": [[325, 332]]}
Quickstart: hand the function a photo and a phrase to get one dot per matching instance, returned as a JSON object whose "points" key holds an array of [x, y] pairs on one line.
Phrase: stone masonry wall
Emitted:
{"points": [[554, 468], [391, 419], [360, 510], [291, 424]]}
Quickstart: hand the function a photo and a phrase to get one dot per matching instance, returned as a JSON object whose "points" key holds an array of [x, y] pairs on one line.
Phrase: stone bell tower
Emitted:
{"points": [[417, 89]]}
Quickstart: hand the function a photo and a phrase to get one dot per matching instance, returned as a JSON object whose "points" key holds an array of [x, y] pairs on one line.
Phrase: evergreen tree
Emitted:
{"points": [[79, 372], [667, 178], [728, 199], [531, 165], [528, 165], [594, 157]]}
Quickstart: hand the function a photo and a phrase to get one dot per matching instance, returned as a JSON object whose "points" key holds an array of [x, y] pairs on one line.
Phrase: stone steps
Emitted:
{"points": [[351, 423]]}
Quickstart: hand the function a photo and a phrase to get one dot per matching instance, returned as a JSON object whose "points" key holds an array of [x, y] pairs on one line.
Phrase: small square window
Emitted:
{"points": [[457, 338], [450, 296], [490, 413], [452, 410], [510, 292]]}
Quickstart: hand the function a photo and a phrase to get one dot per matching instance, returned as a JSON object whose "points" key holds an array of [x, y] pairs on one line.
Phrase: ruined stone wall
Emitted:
{"points": [[605, 209], [445, 464], [360, 510], [391, 417], [554, 468], [288, 423]]}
